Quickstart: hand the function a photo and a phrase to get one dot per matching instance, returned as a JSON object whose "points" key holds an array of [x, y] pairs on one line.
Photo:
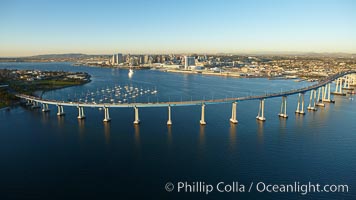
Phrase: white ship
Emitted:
{"points": [[131, 72]]}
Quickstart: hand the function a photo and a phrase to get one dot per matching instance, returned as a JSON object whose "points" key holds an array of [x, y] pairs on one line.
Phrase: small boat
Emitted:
{"points": [[131, 72]]}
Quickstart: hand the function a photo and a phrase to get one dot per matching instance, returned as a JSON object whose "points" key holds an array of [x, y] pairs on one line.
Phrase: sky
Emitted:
{"points": [[33, 27]]}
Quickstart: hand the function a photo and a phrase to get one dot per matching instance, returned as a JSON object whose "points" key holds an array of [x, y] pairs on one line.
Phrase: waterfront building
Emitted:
{"points": [[145, 59], [142, 59], [119, 58], [114, 59], [189, 61]]}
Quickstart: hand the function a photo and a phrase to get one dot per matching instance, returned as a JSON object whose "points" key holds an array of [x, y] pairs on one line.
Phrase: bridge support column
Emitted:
{"points": [[202, 119], [233, 113], [29, 103], [283, 112], [327, 94], [45, 107], [300, 110], [348, 83], [35, 104], [337, 82], [106, 115], [261, 111], [338, 86], [81, 112], [60, 110], [169, 122], [323, 92], [320, 96], [137, 119], [312, 101]]}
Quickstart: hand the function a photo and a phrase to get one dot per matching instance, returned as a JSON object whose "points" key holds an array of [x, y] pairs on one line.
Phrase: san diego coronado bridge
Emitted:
{"points": [[320, 94]]}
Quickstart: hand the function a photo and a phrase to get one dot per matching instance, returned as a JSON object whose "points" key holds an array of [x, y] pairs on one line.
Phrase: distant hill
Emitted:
{"points": [[54, 56]]}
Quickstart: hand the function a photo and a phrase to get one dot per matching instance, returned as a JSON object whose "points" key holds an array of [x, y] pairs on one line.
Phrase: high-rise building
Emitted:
{"points": [[145, 59], [119, 58], [128, 58], [189, 61], [113, 60], [141, 59]]}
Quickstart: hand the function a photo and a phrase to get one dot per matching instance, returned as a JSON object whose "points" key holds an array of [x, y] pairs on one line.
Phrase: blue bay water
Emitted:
{"points": [[45, 156]]}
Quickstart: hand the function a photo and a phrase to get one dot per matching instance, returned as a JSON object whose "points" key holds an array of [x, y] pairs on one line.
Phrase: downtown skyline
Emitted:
{"points": [[41, 27]]}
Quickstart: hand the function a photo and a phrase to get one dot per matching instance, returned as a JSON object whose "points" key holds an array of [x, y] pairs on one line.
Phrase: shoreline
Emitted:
{"points": [[35, 93], [22, 82]]}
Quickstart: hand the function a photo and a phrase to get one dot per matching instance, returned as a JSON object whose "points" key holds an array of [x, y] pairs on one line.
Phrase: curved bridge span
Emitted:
{"points": [[323, 86]]}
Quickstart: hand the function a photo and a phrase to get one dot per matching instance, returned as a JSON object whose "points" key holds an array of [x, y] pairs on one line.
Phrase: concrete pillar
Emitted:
{"points": [[340, 86], [312, 101], [324, 89], [202, 119], [34, 104], [233, 113], [169, 122], [60, 110], [346, 83], [29, 103], [81, 112], [45, 107], [137, 119], [319, 100], [337, 85], [327, 94], [302, 110], [106, 115], [261, 111], [283, 112], [328, 97], [300, 106]]}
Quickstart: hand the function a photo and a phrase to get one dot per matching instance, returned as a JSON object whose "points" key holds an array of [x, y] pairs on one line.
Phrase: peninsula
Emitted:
{"points": [[30, 81]]}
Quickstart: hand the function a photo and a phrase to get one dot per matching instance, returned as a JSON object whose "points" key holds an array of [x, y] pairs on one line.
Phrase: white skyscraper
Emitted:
{"points": [[113, 61]]}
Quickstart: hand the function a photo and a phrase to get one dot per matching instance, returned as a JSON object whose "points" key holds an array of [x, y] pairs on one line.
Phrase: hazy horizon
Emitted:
{"points": [[140, 27], [189, 53]]}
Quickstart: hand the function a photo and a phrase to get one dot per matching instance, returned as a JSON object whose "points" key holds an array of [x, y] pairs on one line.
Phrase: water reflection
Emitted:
{"points": [[202, 137], [169, 135], [282, 125], [60, 121], [81, 128], [45, 117], [107, 132], [323, 112], [260, 129], [232, 136], [339, 100], [299, 119], [137, 136]]}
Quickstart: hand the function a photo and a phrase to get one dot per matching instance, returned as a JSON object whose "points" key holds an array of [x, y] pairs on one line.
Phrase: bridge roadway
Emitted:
{"points": [[188, 103]]}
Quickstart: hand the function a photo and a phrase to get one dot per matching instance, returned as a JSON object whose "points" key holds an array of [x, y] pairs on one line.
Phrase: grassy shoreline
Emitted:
{"points": [[9, 99], [15, 85]]}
